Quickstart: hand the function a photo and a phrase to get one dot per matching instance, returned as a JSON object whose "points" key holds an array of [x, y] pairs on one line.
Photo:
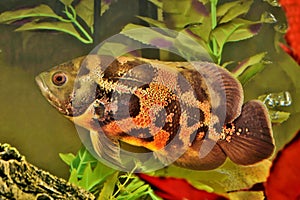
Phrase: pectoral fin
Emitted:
{"points": [[105, 148]]}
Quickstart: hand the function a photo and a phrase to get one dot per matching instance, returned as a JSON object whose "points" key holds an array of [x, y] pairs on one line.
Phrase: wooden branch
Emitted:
{"points": [[21, 180]]}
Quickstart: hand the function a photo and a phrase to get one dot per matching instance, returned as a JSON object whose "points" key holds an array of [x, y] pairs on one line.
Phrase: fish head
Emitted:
{"points": [[67, 87]]}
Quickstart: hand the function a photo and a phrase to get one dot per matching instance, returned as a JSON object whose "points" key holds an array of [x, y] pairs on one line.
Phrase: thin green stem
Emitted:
{"points": [[72, 17], [219, 55], [213, 10], [129, 176]]}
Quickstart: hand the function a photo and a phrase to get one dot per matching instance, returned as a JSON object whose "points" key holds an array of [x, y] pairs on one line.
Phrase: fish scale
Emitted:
{"points": [[192, 113]]}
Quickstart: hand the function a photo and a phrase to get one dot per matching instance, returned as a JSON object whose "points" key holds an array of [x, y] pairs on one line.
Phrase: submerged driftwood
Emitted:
{"points": [[21, 180]]}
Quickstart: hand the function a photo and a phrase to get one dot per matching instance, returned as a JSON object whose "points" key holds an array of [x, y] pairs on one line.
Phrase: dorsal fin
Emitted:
{"points": [[224, 90]]}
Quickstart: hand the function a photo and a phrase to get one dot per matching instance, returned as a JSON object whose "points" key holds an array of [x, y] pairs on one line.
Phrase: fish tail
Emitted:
{"points": [[249, 138]]}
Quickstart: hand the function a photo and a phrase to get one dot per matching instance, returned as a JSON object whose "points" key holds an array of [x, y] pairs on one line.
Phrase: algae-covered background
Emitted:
{"points": [[28, 121]]}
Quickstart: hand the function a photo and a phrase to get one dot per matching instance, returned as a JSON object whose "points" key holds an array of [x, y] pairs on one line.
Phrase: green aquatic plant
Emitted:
{"points": [[212, 28], [211, 24], [106, 183], [76, 20]]}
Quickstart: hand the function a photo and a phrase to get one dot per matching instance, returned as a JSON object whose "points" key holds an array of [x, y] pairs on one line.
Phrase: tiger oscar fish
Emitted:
{"points": [[173, 108]]}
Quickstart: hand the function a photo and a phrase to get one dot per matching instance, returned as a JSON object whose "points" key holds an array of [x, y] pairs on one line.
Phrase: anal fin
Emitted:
{"points": [[202, 155], [252, 139], [105, 149]]}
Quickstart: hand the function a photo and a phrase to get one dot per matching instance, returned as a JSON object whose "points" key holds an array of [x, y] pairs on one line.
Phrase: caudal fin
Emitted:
{"points": [[251, 140]]}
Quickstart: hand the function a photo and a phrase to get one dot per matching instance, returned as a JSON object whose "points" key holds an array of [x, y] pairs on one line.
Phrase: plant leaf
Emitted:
{"points": [[99, 175], [242, 66], [109, 186], [134, 190], [175, 6], [40, 11], [86, 181], [190, 49], [278, 116], [150, 38], [67, 158], [224, 8], [180, 13], [202, 30], [83, 158], [181, 44], [236, 30], [115, 49], [55, 26], [85, 9], [92, 178], [135, 184], [139, 192], [73, 177], [250, 73], [237, 10]]}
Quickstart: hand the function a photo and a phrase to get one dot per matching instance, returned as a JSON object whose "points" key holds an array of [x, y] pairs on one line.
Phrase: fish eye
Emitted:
{"points": [[59, 78]]}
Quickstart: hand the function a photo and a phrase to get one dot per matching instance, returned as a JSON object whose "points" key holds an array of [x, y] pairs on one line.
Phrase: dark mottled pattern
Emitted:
{"points": [[173, 127], [125, 106], [250, 142], [140, 75], [200, 130], [160, 118], [83, 69], [115, 69], [183, 84], [194, 115], [142, 133], [100, 92], [195, 80], [81, 102], [144, 87], [134, 106], [99, 110], [101, 121]]}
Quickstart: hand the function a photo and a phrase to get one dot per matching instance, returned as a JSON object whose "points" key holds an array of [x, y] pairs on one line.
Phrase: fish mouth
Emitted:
{"points": [[51, 98]]}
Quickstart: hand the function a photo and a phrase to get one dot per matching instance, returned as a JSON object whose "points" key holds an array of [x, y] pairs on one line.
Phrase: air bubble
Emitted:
{"points": [[272, 100]]}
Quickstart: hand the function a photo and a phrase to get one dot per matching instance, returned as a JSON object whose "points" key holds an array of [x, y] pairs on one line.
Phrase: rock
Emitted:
{"points": [[22, 180]]}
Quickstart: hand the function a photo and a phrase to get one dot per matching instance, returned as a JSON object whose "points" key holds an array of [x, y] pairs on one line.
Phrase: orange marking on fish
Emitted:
{"points": [[205, 107]]}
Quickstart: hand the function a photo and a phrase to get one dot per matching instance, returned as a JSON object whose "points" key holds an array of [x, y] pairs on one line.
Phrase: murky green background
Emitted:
{"points": [[28, 121]]}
